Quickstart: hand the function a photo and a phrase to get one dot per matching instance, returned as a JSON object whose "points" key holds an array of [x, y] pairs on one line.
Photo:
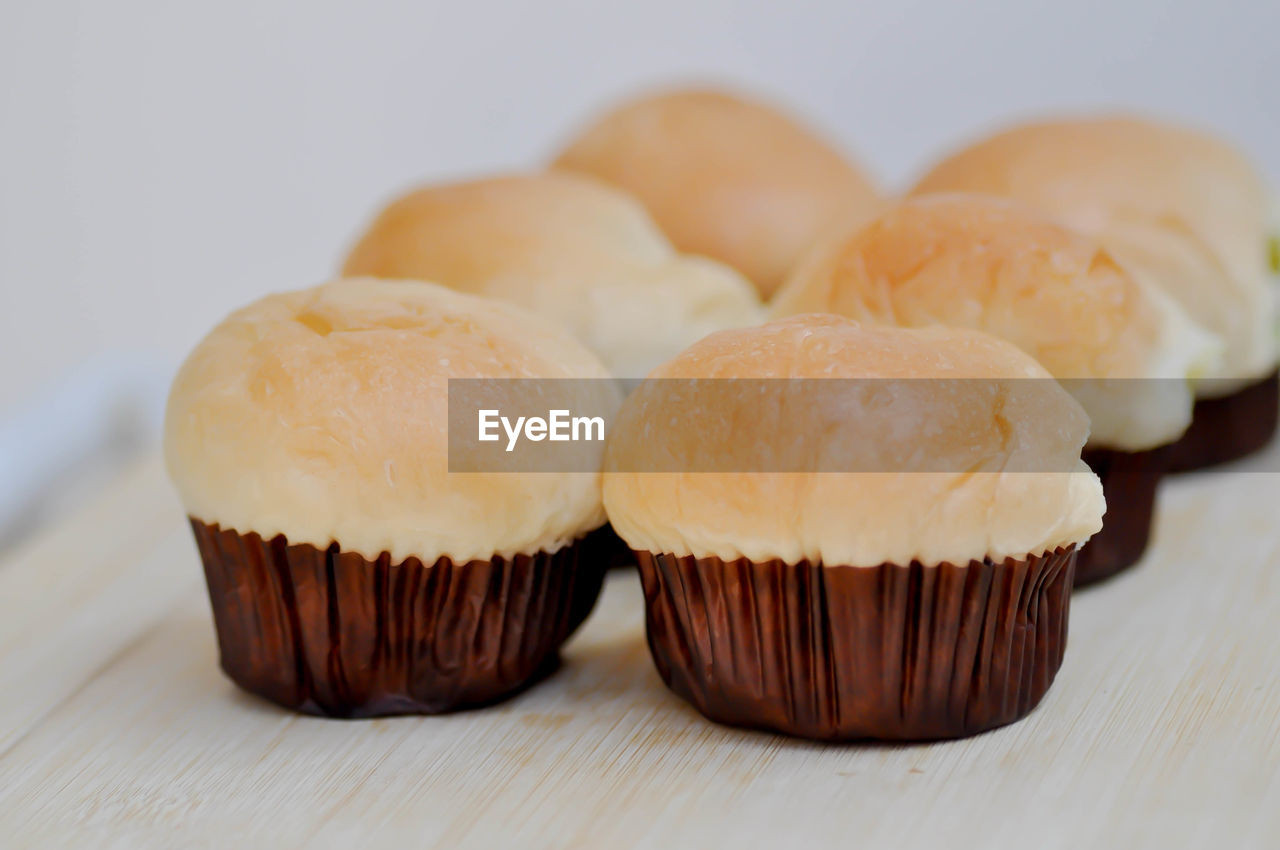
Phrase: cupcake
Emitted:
{"points": [[841, 529], [726, 177], [1179, 209], [1125, 350], [567, 247], [351, 573]]}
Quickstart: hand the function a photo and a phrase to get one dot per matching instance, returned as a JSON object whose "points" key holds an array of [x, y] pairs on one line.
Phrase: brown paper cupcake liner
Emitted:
{"points": [[888, 652], [1229, 428], [1129, 484], [329, 632]]}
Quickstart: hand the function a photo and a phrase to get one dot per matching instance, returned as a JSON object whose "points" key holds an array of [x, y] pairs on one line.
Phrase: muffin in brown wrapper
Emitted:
{"points": [[1129, 483], [329, 632], [832, 652], [1229, 428]]}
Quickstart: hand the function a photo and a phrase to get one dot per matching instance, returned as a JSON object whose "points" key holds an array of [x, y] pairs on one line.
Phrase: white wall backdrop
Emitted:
{"points": [[161, 162]]}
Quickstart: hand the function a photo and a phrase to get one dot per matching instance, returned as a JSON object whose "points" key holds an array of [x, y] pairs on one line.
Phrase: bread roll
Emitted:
{"points": [[567, 247], [998, 266], [322, 415], [726, 177], [952, 493], [1180, 209]]}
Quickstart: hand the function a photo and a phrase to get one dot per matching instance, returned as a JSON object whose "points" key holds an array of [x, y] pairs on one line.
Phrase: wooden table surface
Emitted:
{"points": [[116, 727]]}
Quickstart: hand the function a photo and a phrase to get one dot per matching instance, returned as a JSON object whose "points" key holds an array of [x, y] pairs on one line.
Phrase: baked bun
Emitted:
{"points": [[726, 177], [322, 415], [951, 494], [568, 248], [1001, 267], [1180, 209]]}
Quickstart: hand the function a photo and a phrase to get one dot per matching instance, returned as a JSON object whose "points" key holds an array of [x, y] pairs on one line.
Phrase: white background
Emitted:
{"points": [[162, 162]]}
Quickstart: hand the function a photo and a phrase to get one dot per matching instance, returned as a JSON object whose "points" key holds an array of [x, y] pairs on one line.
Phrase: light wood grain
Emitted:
{"points": [[116, 727]]}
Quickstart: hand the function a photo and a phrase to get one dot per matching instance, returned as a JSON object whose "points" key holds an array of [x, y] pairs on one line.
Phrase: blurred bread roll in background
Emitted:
{"points": [[1004, 268], [727, 177], [1180, 209], [567, 247]]}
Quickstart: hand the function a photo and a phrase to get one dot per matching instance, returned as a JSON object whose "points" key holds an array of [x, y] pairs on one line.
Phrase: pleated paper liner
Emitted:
{"points": [[1229, 428], [834, 653], [328, 632], [1129, 484]]}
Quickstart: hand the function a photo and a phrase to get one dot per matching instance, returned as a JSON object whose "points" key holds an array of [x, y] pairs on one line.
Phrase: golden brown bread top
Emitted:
{"points": [[322, 414], [1001, 267], [1181, 209], [982, 262], [568, 247], [730, 178], [949, 492]]}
